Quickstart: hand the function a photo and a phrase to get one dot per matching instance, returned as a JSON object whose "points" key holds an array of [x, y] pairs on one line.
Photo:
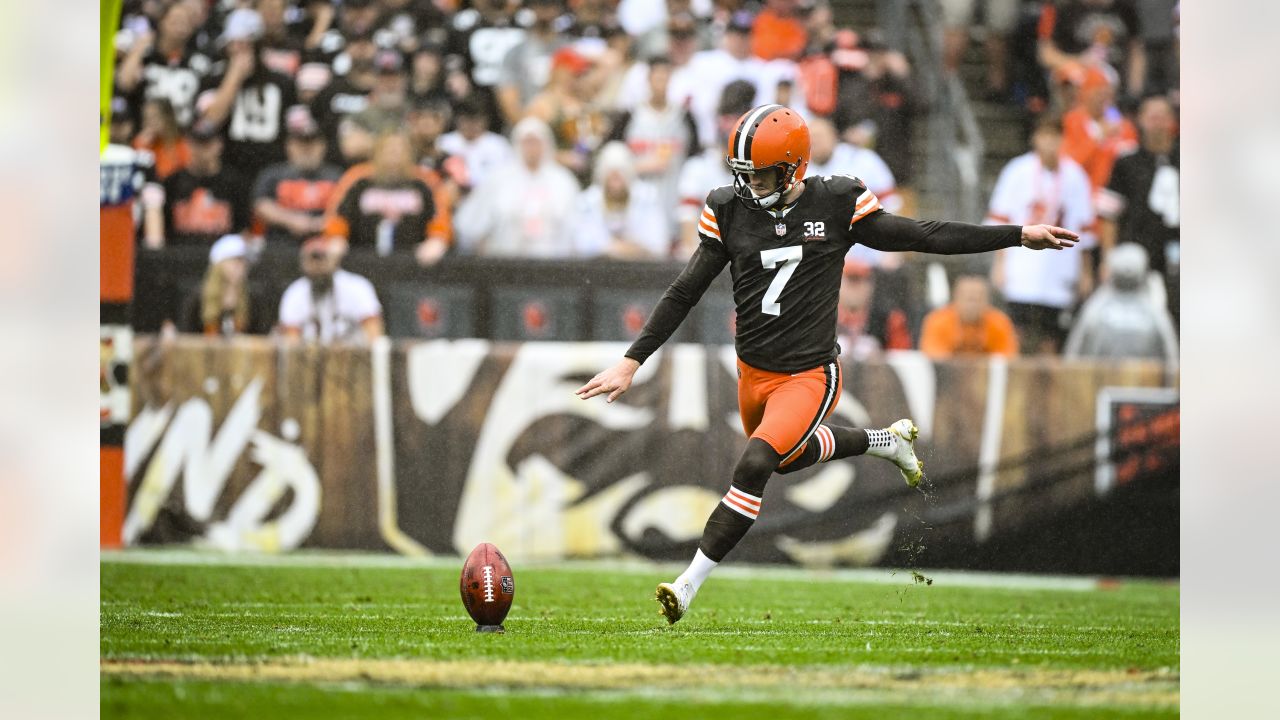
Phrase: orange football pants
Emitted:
{"points": [[785, 409]]}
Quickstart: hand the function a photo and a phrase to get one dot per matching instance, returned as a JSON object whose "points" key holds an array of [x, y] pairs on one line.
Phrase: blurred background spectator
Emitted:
{"points": [[1095, 132], [566, 105], [868, 324], [385, 112], [704, 172], [661, 135], [1121, 320], [388, 204], [833, 156], [201, 202], [969, 325], [780, 30], [328, 304], [290, 197], [1041, 288], [1094, 33], [526, 68], [999, 17], [164, 64], [875, 98], [248, 96], [526, 208], [621, 216], [480, 149], [225, 303], [1140, 203], [162, 137]]}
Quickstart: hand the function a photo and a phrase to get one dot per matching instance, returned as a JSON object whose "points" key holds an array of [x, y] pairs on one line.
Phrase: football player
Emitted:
{"points": [[784, 237]]}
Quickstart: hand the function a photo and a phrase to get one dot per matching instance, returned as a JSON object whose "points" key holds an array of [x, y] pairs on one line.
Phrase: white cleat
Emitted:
{"points": [[904, 455], [675, 599]]}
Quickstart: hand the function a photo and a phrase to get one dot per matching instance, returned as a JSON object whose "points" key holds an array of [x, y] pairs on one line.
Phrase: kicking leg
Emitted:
{"points": [[895, 443]]}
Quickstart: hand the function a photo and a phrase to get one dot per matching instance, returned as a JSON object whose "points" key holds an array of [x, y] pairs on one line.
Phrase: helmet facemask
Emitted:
{"points": [[742, 172]]}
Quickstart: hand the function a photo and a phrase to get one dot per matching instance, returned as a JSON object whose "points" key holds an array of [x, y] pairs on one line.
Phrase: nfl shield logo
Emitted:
{"points": [[780, 228]]}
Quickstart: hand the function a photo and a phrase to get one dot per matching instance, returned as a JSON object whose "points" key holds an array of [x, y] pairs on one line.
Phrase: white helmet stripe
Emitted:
{"points": [[740, 152]]}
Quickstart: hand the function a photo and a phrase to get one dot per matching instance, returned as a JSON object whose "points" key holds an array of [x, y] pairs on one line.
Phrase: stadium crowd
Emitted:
{"points": [[574, 129]]}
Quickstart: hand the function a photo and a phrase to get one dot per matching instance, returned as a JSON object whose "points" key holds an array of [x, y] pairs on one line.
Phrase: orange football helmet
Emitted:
{"points": [[768, 136]]}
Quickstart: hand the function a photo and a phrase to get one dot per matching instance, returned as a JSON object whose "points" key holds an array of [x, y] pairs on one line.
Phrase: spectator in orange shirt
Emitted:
{"points": [[1094, 131], [969, 325], [779, 31], [162, 136], [389, 203]]}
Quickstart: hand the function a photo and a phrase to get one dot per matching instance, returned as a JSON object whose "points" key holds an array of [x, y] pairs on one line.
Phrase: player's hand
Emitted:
{"points": [[1048, 237], [615, 381]]}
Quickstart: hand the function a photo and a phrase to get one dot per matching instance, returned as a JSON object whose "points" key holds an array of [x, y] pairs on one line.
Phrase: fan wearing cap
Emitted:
{"points": [[390, 204], [327, 304], [291, 197], [248, 97], [201, 202], [225, 304]]}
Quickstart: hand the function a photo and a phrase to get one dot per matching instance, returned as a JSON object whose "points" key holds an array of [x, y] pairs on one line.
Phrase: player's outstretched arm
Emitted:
{"points": [[883, 231], [615, 381], [707, 262]]}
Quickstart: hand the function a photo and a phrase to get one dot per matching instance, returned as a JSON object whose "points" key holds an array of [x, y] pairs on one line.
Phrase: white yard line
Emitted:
{"points": [[631, 566]]}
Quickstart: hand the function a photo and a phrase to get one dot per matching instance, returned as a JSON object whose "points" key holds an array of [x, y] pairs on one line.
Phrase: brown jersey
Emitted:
{"points": [[786, 266]]}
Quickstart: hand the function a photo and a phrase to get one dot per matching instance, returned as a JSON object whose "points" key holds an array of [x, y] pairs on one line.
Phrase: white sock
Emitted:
{"points": [[698, 570], [882, 443]]}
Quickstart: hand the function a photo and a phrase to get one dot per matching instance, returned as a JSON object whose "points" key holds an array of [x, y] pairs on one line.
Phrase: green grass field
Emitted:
{"points": [[185, 635]]}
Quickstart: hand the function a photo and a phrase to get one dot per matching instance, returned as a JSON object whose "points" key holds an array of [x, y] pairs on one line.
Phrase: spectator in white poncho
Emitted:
{"points": [[622, 216], [1121, 320], [525, 208]]}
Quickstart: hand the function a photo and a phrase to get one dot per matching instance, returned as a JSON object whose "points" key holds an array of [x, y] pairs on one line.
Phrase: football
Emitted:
{"points": [[487, 587]]}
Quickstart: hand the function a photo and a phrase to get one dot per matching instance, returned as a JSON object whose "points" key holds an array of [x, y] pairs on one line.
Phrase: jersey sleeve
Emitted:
{"points": [[883, 231], [707, 262], [708, 226], [850, 194]]}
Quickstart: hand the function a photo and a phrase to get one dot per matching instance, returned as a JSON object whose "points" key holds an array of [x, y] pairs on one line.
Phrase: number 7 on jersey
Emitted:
{"points": [[790, 258]]}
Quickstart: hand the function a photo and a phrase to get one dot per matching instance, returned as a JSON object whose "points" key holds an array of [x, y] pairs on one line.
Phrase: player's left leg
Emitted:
{"points": [[780, 411]]}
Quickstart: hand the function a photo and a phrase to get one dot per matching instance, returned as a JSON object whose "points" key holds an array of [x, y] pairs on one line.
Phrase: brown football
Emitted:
{"points": [[487, 586]]}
